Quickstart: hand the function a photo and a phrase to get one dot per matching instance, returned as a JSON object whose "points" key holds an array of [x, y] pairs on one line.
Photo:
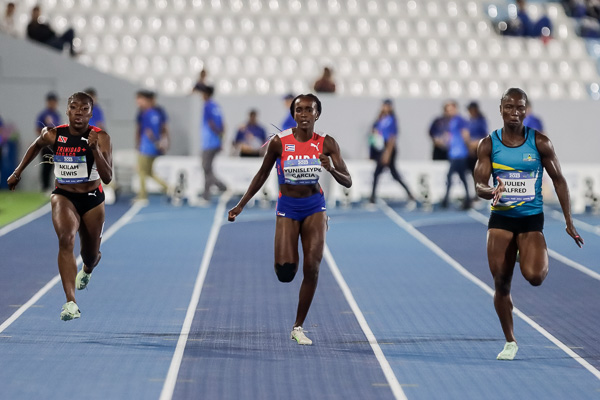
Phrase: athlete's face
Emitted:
{"points": [[79, 113], [513, 110], [305, 112]]}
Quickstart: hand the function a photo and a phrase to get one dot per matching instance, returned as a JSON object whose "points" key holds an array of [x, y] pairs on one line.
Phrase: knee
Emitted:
{"points": [[535, 278], [286, 271], [502, 286], [66, 240]]}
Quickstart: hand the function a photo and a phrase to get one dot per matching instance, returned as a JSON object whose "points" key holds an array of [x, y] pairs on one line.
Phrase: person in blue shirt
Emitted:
{"points": [[50, 118], [532, 121], [150, 141], [288, 122], [383, 147], [437, 130], [478, 129], [251, 137], [213, 129], [515, 156], [458, 152], [97, 113]]}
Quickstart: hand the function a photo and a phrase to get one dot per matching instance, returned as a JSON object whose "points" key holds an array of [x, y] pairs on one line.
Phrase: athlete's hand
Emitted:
{"points": [[573, 233], [234, 212], [325, 162], [93, 140], [497, 192], [13, 181]]}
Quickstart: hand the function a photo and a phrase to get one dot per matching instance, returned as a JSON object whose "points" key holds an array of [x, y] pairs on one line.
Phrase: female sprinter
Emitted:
{"points": [[301, 155], [82, 157], [516, 156]]}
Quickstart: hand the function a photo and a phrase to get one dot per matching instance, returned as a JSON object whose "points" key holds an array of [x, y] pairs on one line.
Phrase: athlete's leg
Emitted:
{"points": [[66, 224], [534, 256], [90, 231], [312, 234], [287, 232], [502, 253]]}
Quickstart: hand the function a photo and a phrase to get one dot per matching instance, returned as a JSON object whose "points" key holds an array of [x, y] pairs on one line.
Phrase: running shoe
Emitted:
{"points": [[70, 311], [82, 279], [509, 352], [299, 336]]}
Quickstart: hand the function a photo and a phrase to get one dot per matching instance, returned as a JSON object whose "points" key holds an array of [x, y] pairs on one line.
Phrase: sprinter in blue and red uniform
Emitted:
{"points": [[301, 155], [82, 157], [515, 156]]}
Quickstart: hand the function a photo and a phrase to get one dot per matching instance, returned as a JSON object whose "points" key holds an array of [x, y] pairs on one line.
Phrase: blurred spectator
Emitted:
{"points": [[251, 137], [438, 128], [201, 83], [478, 129], [384, 148], [522, 25], [212, 135], [587, 13], [150, 142], [2, 140], [458, 152], [289, 121], [41, 32], [50, 118], [97, 113], [532, 121], [7, 24], [325, 84]]}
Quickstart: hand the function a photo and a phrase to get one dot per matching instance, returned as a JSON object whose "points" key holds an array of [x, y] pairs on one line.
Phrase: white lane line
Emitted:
{"points": [[125, 218], [171, 379], [578, 223], [45, 209], [554, 254], [464, 272], [383, 362]]}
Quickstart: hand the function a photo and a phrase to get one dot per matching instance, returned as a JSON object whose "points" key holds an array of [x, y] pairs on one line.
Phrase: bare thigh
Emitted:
{"points": [[313, 231], [287, 233], [533, 256], [64, 218], [502, 255], [90, 231]]}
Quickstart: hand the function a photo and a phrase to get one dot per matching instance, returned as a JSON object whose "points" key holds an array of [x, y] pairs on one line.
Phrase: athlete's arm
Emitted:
{"points": [[552, 166], [101, 146], [46, 138], [338, 170], [483, 171], [273, 152]]}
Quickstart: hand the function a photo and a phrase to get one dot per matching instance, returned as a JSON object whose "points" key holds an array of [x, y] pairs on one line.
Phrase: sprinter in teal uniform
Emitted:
{"points": [[515, 156]]}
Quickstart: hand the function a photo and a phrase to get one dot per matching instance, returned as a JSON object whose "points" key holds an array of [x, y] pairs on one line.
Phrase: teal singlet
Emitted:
{"points": [[521, 170]]}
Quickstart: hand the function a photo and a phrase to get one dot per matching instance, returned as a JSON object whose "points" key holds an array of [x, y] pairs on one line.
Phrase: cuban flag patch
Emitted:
{"points": [[62, 139], [290, 147]]}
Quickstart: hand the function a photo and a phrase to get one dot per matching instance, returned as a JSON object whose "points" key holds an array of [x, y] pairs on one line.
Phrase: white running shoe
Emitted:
{"points": [[509, 352], [299, 336], [82, 279], [70, 311]]}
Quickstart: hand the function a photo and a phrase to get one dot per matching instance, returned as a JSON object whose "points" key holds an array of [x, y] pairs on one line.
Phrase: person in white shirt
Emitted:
{"points": [[7, 24]]}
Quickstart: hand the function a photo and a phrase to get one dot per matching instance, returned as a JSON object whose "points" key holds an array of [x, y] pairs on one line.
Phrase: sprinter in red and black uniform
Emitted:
{"points": [[301, 156], [82, 156]]}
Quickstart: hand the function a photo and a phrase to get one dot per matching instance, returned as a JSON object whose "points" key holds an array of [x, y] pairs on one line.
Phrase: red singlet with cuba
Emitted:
{"points": [[299, 163]]}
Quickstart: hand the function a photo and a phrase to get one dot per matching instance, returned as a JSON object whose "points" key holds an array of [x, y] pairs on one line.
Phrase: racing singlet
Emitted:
{"points": [[73, 160], [299, 163], [521, 170]]}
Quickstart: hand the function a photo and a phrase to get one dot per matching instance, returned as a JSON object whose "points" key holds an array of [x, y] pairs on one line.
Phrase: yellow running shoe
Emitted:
{"points": [[70, 311], [509, 352], [82, 279], [299, 336]]}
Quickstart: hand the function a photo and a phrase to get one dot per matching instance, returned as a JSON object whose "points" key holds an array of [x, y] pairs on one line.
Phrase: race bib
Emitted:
{"points": [[69, 170], [519, 186], [302, 172]]}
